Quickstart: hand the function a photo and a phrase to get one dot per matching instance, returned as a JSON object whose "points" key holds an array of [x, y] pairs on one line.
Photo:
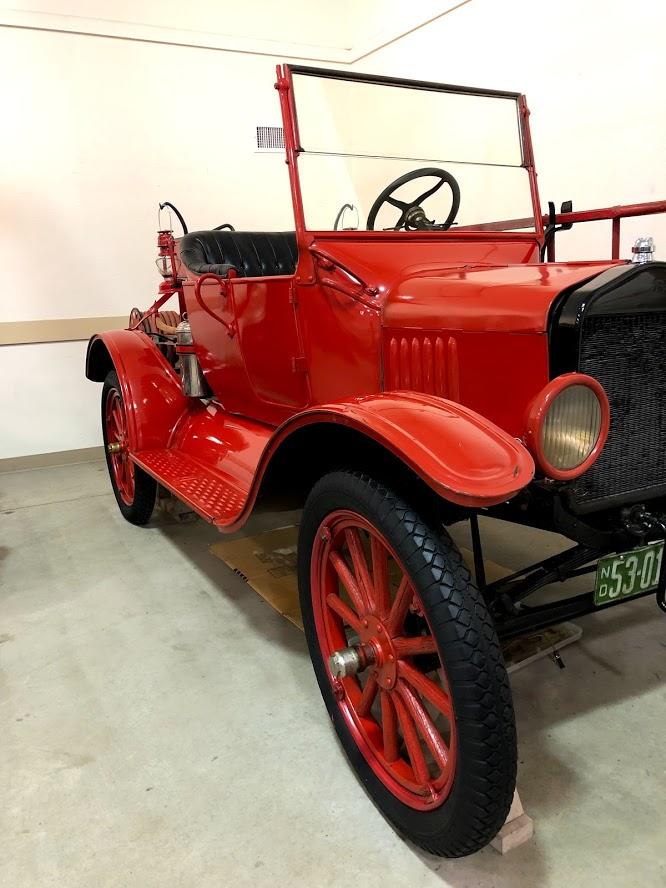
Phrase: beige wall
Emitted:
{"points": [[96, 131], [101, 131]]}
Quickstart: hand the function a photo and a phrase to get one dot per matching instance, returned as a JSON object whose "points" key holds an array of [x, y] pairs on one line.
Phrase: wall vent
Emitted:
{"points": [[270, 138]]}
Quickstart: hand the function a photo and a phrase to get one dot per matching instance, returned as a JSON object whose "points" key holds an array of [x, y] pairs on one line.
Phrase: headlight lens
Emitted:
{"points": [[567, 425], [571, 427]]}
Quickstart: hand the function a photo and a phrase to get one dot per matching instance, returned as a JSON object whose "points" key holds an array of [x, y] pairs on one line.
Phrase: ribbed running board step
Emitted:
{"points": [[210, 493]]}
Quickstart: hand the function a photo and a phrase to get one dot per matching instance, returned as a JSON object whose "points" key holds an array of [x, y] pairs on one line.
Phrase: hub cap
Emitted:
{"points": [[120, 464], [384, 666]]}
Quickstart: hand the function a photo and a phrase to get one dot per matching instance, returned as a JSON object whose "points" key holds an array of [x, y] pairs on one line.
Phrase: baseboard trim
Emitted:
{"points": [[48, 460]]}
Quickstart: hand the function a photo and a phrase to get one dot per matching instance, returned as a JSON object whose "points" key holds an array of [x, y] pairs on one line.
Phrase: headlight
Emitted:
{"points": [[568, 425], [571, 427]]}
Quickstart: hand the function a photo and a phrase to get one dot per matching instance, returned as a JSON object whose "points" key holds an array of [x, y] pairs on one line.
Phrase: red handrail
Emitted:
{"points": [[225, 290], [616, 214], [623, 211]]}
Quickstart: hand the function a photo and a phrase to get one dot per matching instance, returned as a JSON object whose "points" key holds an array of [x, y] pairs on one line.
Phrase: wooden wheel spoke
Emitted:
{"points": [[124, 473], [424, 724], [348, 581], [412, 647], [380, 577], [112, 422], [412, 742], [389, 728], [367, 697], [427, 688], [118, 418], [360, 566], [343, 610], [400, 606]]}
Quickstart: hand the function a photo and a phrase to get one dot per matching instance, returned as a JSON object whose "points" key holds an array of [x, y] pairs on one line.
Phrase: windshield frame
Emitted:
{"points": [[294, 149]]}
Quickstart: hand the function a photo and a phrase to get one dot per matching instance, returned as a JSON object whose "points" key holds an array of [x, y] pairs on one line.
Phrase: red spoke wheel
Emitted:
{"points": [[121, 466], [135, 491], [408, 663], [400, 716]]}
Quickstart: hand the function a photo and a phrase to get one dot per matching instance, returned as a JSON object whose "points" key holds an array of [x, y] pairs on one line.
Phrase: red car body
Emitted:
{"points": [[433, 344], [434, 356]]}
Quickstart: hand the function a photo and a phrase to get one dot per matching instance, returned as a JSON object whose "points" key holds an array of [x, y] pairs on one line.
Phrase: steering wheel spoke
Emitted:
{"points": [[412, 216], [398, 204], [426, 194]]}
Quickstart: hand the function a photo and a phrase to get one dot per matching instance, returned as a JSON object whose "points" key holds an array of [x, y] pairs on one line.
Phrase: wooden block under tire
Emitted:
{"points": [[518, 828]]}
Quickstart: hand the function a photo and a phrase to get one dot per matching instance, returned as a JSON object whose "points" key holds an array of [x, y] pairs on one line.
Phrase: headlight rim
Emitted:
{"points": [[537, 414]]}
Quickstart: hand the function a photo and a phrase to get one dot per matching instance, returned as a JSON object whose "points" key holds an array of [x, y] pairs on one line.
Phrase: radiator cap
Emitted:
{"points": [[643, 250]]}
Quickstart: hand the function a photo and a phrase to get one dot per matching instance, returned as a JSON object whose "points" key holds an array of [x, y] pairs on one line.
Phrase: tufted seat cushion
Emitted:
{"points": [[251, 253]]}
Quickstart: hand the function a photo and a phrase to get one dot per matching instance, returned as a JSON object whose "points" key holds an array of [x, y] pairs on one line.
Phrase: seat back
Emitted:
{"points": [[250, 253]]}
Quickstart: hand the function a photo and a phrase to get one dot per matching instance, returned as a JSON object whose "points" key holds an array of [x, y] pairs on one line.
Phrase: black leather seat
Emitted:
{"points": [[251, 253]]}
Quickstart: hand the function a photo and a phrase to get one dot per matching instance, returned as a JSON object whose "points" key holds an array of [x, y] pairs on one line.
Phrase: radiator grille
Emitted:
{"points": [[627, 354]]}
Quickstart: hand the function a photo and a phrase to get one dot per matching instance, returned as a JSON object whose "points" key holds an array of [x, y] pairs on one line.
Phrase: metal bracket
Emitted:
{"points": [[477, 549], [355, 289]]}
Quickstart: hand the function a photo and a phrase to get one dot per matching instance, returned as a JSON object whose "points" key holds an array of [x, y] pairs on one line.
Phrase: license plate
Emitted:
{"points": [[621, 576]]}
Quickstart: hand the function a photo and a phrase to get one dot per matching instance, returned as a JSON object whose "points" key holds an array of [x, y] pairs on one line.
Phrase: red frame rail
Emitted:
{"points": [[615, 214]]}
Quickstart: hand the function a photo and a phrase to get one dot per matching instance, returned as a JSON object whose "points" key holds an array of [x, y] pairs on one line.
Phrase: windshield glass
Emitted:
{"points": [[356, 137]]}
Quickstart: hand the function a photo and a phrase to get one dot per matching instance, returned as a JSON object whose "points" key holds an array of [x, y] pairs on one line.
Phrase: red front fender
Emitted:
{"points": [[150, 387], [465, 458]]}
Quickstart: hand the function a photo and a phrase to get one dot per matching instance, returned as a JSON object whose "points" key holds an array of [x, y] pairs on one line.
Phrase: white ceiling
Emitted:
{"points": [[343, 31]]}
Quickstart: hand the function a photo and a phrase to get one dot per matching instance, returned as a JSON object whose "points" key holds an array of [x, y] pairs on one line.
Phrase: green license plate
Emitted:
{"points": [[621, 576]]}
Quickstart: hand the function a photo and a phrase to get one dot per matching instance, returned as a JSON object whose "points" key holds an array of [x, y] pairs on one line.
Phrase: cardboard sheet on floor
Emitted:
{"points": [[267, 563]]}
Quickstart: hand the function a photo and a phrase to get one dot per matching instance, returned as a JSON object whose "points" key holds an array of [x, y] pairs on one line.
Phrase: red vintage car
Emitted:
{"points": [[410, 356]]}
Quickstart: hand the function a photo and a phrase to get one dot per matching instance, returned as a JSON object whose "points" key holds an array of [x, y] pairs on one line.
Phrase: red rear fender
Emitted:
{"points": [[150, 387]]}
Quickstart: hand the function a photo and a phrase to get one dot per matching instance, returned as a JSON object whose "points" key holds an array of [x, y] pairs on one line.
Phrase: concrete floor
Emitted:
{"points": [[162, 726]]}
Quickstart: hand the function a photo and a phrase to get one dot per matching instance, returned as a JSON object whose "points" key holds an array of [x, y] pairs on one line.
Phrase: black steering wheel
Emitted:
{"points": [[412, 216]]}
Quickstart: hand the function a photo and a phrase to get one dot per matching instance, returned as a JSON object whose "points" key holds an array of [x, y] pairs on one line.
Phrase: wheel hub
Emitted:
{"points": [[375, 652]]}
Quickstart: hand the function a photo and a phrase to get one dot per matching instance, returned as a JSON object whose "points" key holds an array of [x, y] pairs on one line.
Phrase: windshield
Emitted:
{"points": [[357, 137]]}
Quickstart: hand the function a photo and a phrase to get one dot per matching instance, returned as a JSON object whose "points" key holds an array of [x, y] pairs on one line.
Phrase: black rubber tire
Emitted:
{"points": [[145, 487], [469, 648]]}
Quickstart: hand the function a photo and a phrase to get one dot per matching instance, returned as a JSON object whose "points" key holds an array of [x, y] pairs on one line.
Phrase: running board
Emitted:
{"points": [[211, 463], [211, 493]]}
